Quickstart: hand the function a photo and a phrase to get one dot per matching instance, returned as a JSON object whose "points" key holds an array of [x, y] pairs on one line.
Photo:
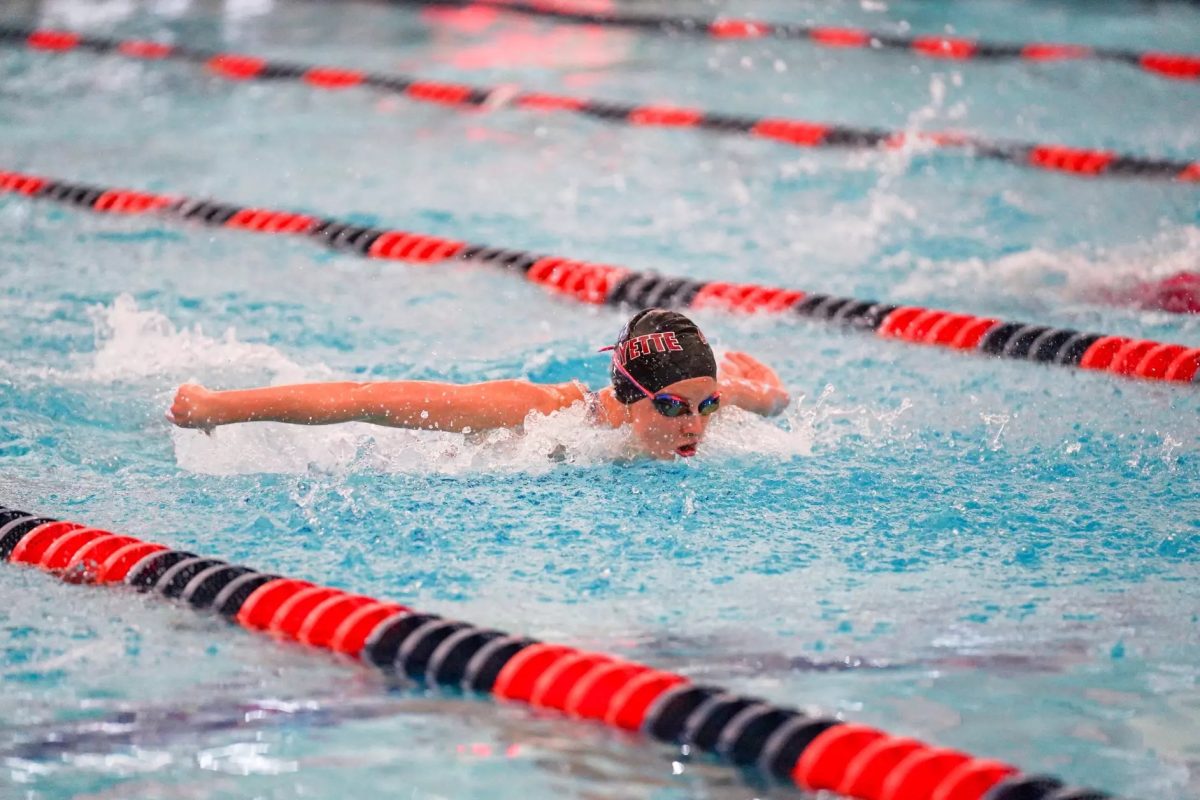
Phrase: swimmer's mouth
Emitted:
{"points": [[686, 451]]}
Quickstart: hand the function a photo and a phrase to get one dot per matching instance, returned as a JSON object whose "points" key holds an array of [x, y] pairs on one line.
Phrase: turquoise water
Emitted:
{"points": [[1008, 553]]}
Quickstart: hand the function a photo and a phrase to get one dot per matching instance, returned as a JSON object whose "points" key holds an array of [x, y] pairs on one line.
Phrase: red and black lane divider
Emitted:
{"points": [[797, 133], [1179, 66], [604, 284], [811, 751]]}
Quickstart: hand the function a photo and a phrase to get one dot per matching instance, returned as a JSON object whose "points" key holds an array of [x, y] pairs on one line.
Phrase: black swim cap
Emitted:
{"points": [[658, 348]]}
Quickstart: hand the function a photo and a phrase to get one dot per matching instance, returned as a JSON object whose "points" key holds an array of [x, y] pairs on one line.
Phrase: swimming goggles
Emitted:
{"points": [[665, 403]]}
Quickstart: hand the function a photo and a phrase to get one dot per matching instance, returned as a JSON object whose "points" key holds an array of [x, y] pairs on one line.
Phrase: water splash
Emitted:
{"points": [[1082, 275], [133, 344]]}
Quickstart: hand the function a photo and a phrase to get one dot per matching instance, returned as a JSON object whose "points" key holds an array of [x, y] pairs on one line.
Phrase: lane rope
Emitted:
{"points": [[813, 751], [1077, 161], [605, 284], [1178, 66]]}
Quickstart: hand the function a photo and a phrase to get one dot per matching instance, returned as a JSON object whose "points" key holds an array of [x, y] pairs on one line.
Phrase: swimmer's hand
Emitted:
{"points": [[193, 407], [748, 383]]}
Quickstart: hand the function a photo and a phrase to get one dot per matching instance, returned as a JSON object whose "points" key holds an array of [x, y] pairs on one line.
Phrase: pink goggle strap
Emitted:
{"points": [[625, 372]]}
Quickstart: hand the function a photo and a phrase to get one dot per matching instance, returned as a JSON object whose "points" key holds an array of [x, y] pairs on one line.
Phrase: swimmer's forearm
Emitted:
{"points": [[398, 403], [305, 404]]}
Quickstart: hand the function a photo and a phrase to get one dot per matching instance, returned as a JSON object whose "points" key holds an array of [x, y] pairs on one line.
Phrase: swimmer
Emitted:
{"points": [[665, 387], [1178, 294]]}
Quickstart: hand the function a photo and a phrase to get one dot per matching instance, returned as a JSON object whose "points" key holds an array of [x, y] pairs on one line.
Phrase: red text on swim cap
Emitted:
{"points": [[639, 346]]}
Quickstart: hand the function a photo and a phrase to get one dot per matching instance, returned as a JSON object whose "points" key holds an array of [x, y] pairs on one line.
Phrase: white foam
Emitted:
{"points": [[1080, 275], [133, 344], [86, 13], [564, 436], [138, 345], [885, 209]]}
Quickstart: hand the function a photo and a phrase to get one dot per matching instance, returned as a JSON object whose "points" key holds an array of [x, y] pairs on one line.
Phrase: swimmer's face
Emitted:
{"points": [[666, 437]]}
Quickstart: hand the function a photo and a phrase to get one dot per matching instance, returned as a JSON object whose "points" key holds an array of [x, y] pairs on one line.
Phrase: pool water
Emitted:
{"points": [[990, 555]]}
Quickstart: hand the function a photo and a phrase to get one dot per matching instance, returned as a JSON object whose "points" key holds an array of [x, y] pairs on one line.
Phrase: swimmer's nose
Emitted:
{"points": [[691, 424]]}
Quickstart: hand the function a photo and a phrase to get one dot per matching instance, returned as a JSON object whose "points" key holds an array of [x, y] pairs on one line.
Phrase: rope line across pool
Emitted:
{"points": [[597, 284], [812, 751], [1179, 66], [799, 133]]}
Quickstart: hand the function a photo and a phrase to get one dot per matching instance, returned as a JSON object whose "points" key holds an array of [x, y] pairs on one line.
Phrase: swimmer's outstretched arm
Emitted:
{"points": [[425, 405]]}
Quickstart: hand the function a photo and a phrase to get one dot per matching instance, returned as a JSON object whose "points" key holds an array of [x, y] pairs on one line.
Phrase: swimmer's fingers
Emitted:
{"points": [[745, 366], [733, 365], [171, 418], [761, 371], [742, 361]]}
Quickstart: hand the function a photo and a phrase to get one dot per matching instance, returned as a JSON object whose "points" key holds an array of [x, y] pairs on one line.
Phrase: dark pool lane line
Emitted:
{"points": [[1177, 66], [605, 284], [813, 752], [1083, 162]]}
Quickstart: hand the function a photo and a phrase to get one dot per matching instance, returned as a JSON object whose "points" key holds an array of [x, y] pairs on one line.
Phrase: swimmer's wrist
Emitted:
{"points": [[732, 392], [221, 408], [759, 398]]}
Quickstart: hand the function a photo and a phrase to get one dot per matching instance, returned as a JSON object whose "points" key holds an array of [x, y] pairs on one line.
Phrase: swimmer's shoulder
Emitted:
{"points": [[569, 394], [573, 392]]}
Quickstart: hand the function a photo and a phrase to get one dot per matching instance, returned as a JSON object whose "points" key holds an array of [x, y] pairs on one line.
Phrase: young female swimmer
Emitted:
{"points": [[665, 386]]}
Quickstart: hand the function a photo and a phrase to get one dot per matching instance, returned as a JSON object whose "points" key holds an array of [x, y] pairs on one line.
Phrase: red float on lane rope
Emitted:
{"points": [[631, 702], [331, 78], [921, 773], [260, 607], [53, 40], [944, 47], [1054, 52], [516, 681], [552, 689], [59, 554], [434, 92], [322, 623], [91, 557], [972, 780], [117, 565], [867, 772], [823, 764], [666, 116], [738, 29], [236, 67], [1172, 66], [148, 50], [291, 614], [840, 37], [594, 694], [37, 541], [351, 634], [1067, 159]]}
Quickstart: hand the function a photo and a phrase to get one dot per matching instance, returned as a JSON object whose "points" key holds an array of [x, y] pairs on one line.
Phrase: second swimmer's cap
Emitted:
{"points": [[658, 348]]}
